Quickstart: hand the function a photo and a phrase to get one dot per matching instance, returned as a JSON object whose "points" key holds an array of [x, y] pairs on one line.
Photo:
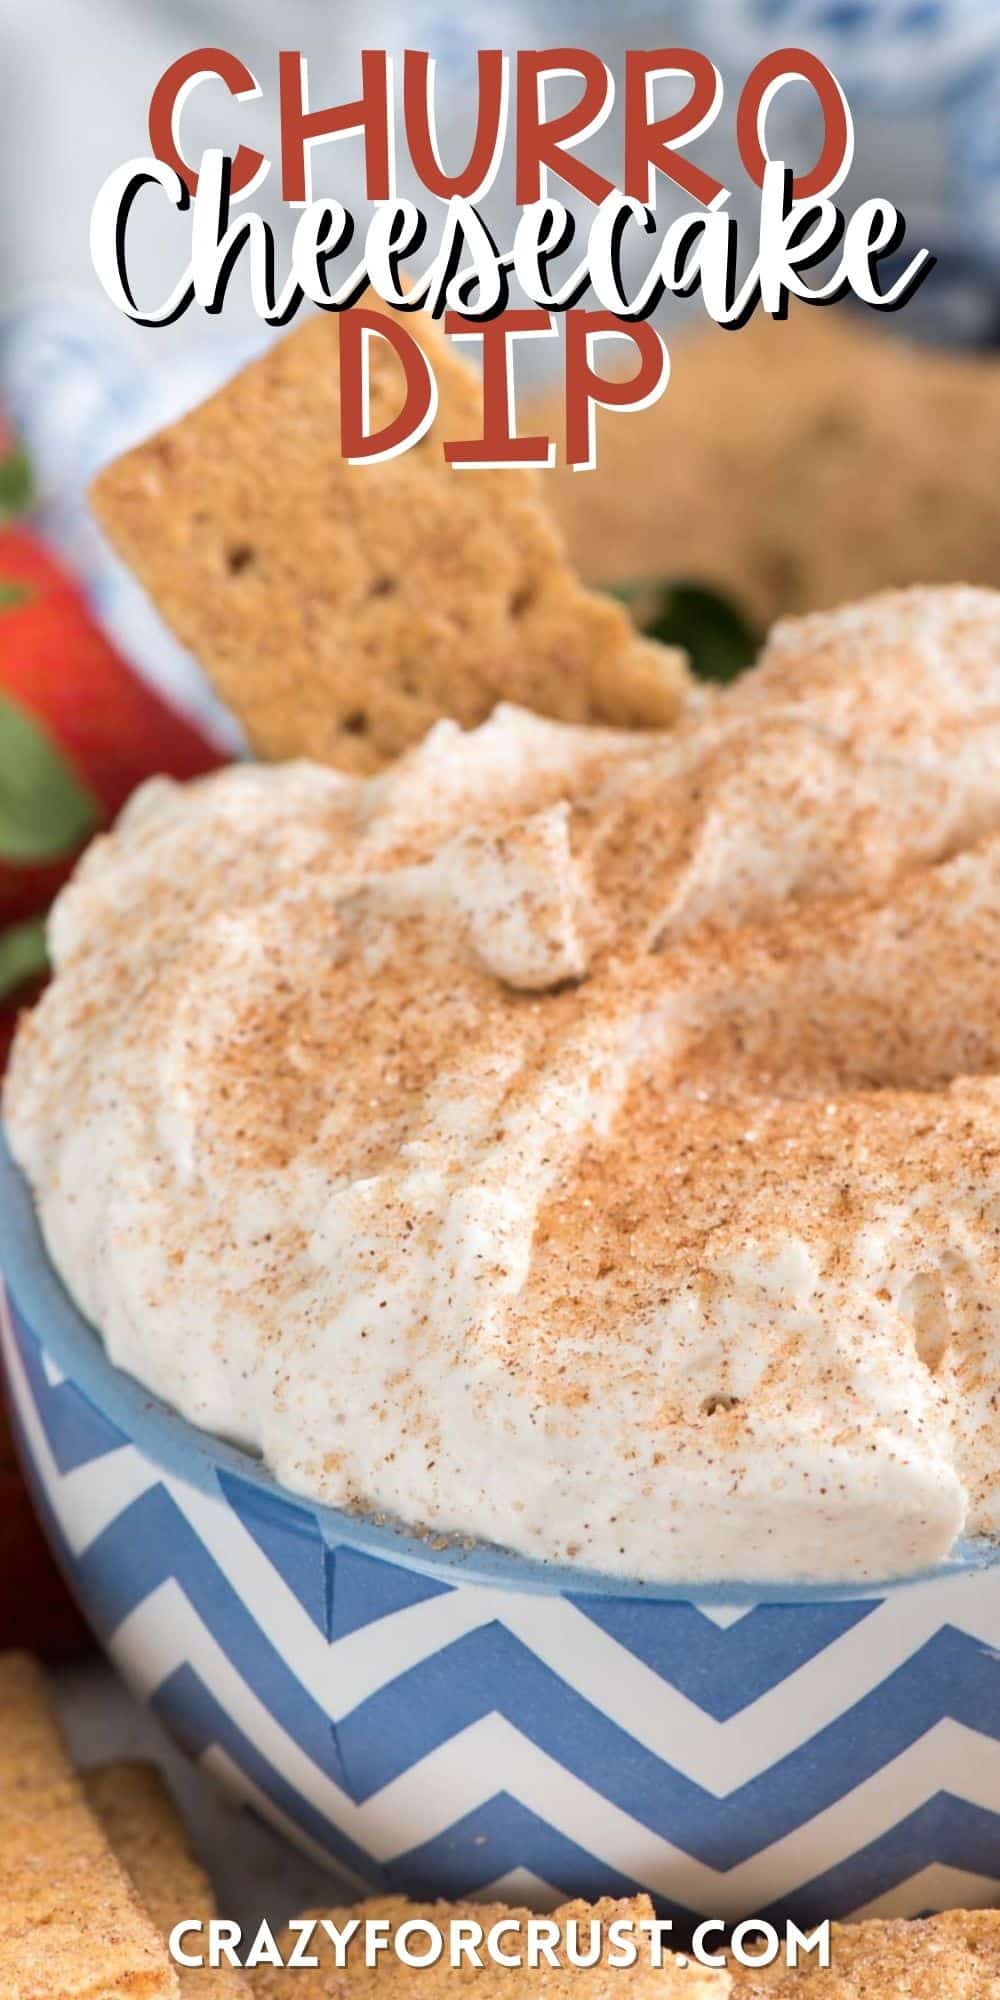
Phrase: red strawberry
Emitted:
{"points": [[36, 1610], [93, 715], [78, 732]]}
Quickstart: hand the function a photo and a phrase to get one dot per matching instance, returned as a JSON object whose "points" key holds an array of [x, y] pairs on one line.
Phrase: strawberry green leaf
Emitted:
{"points": [[16, 489], [12, 593], [22, 955], [45, 810]]}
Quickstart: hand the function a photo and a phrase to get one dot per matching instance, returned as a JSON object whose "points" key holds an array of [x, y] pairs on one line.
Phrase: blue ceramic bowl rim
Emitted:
{"points": [[197, 1457]]}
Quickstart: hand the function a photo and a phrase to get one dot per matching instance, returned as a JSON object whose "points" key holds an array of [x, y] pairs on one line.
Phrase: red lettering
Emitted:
{"points": [[358, 328], [761, 86], [650, 144], [169, 98], [418, 111], [301, 128], [499, 444], [585, 389], [541, 141]]}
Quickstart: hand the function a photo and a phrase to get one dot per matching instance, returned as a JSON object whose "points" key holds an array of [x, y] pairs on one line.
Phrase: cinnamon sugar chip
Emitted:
{"points": [[144, 1829], [951, 1957], [71, 1924], [342, 609], [490, 1981]]}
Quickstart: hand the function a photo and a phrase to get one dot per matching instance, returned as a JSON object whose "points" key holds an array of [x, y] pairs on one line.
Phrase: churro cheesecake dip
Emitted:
{"points": [[582, 1140]]}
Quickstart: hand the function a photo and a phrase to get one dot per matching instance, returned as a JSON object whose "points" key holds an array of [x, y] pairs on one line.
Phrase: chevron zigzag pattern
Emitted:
{"points": [[805, 1759]]}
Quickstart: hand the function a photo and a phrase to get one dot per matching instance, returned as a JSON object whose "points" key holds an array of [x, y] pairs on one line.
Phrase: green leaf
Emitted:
{"points": [[12, 593], [16, 484], [45, 810], [712, 629], [23, 955]]}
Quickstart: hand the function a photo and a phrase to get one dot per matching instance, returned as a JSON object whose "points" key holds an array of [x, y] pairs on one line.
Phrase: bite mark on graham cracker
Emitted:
{"points": [[146, 1832], [391, 1978], [71, 1924], [342, 609]]}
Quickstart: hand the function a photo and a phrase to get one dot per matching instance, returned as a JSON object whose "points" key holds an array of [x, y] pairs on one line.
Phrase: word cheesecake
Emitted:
{"points": [[560, 253]]}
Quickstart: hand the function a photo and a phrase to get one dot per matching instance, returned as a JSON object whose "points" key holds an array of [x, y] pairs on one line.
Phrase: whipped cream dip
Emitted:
{"points": [[584, 1141]]}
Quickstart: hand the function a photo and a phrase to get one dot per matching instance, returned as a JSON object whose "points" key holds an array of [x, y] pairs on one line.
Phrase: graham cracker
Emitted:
{"points": [[794, 466], [952, 1957], [71, 1924], [342, 609], [397, 1981], [147, 1835]]}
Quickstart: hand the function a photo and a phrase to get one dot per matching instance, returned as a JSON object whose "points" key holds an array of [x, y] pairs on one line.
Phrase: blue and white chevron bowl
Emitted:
{"points": [[452, 1720]]}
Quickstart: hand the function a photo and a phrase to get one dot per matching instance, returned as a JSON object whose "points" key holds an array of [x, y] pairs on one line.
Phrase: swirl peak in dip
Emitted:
{"points": [[584, 1141]]}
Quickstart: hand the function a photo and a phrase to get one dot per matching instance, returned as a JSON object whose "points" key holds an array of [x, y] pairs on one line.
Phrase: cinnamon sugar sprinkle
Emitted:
{"points": [[585, 1141]]}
